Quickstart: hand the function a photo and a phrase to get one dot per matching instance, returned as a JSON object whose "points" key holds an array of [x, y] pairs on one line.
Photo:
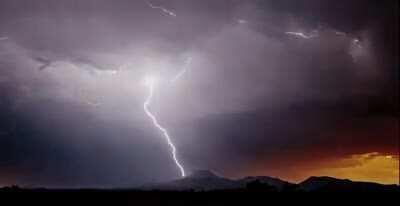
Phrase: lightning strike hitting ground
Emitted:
{"points": [[166, 11], [302, 35], [150, 83]]}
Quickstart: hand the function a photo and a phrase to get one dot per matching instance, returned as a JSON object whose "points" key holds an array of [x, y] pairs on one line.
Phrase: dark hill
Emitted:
{"points": [[330, 184]]}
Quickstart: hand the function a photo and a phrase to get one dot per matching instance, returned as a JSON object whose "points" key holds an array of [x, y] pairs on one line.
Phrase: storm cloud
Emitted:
{"points": [[254, 97]]}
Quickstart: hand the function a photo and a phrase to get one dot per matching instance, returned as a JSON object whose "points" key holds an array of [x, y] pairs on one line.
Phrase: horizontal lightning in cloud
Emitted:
{"points": [[93, 104], [166, 11], [302, 35]]}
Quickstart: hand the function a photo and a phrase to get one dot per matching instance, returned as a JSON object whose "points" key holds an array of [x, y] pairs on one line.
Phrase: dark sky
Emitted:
{"points": [[254, 100]]}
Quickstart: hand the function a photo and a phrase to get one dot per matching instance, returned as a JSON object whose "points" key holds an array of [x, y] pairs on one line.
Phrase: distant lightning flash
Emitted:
{"points": [[302, 35], [166, 11], [150, 83], [183, 71]]}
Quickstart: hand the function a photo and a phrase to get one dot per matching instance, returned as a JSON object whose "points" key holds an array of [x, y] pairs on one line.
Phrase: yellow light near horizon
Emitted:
{"points": [[369, 167]]}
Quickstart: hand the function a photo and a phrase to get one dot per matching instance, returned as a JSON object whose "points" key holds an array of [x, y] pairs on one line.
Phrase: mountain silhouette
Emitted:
{"points": [[330, 184], [275, 182], [204, 180], [200, 180], [202, 174]]}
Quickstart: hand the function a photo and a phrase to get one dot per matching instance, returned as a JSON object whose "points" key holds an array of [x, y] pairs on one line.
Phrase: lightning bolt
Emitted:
{"points": [[183, 71], [150, 83], [301, 35], [166, 11]]}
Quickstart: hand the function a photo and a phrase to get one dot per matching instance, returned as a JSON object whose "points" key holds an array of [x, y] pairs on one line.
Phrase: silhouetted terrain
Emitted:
{"points": [[203, 180], [206, 188], [329, 184]]}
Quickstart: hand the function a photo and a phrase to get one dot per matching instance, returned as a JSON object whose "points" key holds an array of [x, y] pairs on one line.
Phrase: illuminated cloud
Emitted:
{"points": [[257, 100]]}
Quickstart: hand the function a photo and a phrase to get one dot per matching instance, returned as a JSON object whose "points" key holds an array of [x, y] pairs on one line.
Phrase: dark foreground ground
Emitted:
{"points": [[149, 198]]}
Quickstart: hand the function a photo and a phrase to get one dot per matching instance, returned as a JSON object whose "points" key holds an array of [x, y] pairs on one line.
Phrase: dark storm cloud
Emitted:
{"points": [[310, 131], [302, 100], [71, 100]]}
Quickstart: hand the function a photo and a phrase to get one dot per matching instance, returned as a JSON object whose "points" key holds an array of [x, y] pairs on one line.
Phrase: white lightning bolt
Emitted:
{"points": [[183, 71], [150, 83], [302, 35], [161, 8]]}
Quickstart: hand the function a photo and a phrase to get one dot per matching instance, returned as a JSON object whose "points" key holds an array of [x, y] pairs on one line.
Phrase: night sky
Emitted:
{"points": [[288, 89]]}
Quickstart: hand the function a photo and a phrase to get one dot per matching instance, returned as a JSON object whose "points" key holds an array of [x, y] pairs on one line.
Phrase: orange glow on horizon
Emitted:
{"points": [[367, 167]]}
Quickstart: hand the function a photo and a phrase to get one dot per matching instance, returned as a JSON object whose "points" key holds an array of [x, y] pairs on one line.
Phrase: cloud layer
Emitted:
{"points": [[255, 98]]}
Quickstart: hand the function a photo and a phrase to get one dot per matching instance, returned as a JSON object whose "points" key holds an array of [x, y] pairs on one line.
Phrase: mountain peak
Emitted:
{"points": [[202, 174], [323, 179]]}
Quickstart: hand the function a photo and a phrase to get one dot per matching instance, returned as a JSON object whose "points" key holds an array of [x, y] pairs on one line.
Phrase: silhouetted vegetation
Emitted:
{"points": [[257, 186]]}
